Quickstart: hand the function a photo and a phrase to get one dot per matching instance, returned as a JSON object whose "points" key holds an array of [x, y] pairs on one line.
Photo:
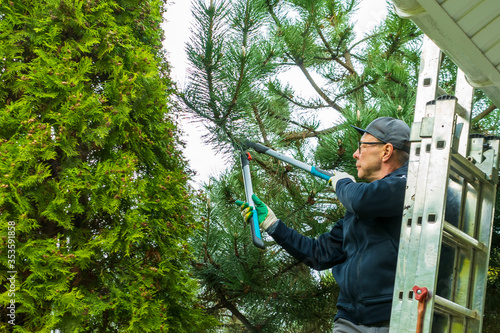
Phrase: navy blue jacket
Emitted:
{"points": [[361, 248]]}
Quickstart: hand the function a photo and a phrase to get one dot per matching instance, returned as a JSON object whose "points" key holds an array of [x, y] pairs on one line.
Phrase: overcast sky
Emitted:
{"points": [[201, 158]]}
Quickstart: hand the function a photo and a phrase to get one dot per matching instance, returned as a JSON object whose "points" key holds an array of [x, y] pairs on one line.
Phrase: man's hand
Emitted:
{"points": [[338, 176], [264, 213]]}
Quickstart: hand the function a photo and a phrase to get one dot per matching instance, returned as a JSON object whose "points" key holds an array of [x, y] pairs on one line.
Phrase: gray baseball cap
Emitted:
{"points": [[389, 130]]}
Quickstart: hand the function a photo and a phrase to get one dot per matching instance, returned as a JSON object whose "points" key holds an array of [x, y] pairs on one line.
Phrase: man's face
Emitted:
{"points": [[369, 158]]}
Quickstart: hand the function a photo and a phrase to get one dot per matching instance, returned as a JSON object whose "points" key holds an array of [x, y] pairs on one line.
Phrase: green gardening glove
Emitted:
{"points": [[264, 213]]}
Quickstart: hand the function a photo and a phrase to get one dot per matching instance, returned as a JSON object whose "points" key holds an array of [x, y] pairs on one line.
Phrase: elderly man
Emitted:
{"points": [[362, 247]]}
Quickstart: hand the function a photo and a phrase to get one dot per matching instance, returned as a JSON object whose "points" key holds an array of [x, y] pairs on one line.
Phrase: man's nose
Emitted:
{"points": [[355, 155]]}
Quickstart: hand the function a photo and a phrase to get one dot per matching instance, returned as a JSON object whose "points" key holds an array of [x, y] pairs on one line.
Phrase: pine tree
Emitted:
{"points": [[93, 192], [239, 53]]}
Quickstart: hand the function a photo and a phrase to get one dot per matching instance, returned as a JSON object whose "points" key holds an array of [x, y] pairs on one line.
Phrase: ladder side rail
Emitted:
{"points": [[428, 76], [433, 213], [403, 302], [403, 305], [465, 94]]}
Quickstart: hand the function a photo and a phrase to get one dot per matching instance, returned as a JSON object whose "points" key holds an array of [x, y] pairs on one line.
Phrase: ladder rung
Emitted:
{"points": [[454, 309], [440, 91], [462, 238]]}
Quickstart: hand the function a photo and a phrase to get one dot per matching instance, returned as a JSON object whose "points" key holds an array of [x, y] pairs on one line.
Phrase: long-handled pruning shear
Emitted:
{"points": [[247, 180]]}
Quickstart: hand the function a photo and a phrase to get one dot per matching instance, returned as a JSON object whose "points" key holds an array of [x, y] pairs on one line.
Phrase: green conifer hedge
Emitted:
{"points": [[94, 206]]}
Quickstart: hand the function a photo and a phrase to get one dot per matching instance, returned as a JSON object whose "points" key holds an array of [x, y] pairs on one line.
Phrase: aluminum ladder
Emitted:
{"points": [[447, 222]]}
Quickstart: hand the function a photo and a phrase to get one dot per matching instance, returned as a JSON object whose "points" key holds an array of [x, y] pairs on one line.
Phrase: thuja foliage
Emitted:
{"points": [[249, 60], [91, 174]]}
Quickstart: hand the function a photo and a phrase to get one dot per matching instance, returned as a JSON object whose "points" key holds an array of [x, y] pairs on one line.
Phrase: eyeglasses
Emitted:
{"points": [[368, 143]]}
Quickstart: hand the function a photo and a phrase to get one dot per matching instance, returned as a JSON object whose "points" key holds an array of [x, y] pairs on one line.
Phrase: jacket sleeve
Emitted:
{"points": [[380, 198], [320, 253]]}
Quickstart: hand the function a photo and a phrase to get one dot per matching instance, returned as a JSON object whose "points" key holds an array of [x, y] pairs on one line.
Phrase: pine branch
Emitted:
{"points": [[304, 106], [334, 55], [309, 134], [361, 86], [288, 268], [283, 177], [347, 56], [209, 64], [299, 62], [241, 74], [287, 120], [260, 123], [362, 41], [224, 303], [234, 310]]}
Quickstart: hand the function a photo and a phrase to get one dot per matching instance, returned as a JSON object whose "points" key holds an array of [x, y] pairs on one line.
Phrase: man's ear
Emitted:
{"points": [[388, 151]]}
